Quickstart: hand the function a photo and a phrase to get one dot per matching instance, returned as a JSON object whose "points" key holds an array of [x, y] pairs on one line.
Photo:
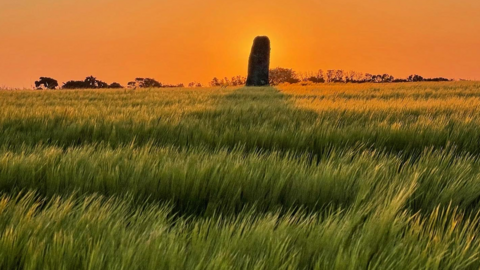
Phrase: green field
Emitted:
{"points": [[334, 176]]}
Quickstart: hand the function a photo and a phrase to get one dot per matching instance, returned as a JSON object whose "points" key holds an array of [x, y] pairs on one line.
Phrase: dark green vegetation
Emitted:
{"points": [[334, 177]]}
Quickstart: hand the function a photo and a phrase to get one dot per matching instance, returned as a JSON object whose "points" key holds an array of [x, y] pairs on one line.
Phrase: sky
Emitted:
{"points": [[180, 41]]}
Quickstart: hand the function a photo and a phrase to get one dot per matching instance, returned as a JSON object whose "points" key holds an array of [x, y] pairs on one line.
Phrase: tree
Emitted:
{"points": [[320, 75], [283, 75], [415, 78], [46, 82], [439, 79], [226, 82], [115, 85], [101, 84], [92, 83], [138, 82], [215, 82], [144, 83], [151, 83], [359, 77], [75, 85], [387, 78], [315, 79], [131, 84], [350, 76], [238, 80], [339, 75], [368, 77], [377, 78], [330, 75], [89, 83]]}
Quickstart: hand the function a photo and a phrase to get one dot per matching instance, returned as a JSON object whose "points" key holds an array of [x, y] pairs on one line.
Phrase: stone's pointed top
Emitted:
{"points": [[259, 62]]}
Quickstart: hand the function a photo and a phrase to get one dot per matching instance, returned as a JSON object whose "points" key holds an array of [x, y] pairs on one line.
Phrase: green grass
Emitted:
{"points": [[328, 177]]}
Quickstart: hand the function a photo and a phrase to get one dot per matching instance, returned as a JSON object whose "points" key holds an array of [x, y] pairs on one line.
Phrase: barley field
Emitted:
{"points": [[334, 176]]}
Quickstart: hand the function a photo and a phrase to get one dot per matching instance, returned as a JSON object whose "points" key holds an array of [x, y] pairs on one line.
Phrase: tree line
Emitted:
{"points": [[93, 83], [281, 75], [89, 83], [278, 75], [234, 81]]}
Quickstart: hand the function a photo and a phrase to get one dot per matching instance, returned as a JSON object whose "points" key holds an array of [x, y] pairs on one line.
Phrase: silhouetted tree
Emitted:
{"points": [[239, 80], [101, 84], [144, 83], [350, 76], [47, 82], [415, 78], [131, 84], [139, 82], [359, 77], [151, 83], [215, 82], [338, 76], [377, 78], [330, 75], [387, 78], [439, 79], [75, 85], [226, 82], [320, 75], [89, 83], [93, 83], [368, 77], [315, 79], [115, 85], [283, 75]]}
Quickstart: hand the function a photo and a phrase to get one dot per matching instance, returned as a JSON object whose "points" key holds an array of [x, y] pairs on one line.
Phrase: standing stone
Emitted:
{"points": [[259, 63]]}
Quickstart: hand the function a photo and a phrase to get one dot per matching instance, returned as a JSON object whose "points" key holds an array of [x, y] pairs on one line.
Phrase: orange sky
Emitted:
{"points": [[194, 40]]}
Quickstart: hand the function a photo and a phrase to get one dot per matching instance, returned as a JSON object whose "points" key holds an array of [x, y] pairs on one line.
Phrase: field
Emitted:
{"points": [[335, 176]]}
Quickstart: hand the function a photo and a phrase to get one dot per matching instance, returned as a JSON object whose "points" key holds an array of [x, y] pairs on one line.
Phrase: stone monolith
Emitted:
{"points": [[259, 62]]}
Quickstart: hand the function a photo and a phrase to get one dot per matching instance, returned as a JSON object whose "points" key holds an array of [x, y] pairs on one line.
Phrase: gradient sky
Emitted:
{"points": [[179, 41]]}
